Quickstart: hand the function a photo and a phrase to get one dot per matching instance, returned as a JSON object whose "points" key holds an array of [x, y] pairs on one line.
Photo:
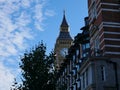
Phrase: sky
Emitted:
{"points": [[24, 23]]}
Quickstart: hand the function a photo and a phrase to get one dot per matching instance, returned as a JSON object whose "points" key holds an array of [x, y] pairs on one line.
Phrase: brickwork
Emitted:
{"points": [[104, 17]]}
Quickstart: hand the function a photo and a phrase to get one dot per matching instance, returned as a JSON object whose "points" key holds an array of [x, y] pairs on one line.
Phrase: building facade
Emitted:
{"points": [[93, 60], [104, 22]]}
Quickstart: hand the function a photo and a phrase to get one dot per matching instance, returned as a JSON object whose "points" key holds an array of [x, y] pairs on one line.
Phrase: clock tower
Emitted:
{"points": [[63, 42]]}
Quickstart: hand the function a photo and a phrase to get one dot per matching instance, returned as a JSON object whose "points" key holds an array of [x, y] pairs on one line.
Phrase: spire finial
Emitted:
{"points": [[64, 22]]}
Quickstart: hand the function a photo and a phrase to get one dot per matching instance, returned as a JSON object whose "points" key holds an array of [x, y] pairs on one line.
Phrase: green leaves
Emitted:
{"points": [[37, 69]]}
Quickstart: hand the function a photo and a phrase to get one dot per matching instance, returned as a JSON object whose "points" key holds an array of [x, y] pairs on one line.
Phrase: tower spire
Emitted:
{"points": [[64, 22]]}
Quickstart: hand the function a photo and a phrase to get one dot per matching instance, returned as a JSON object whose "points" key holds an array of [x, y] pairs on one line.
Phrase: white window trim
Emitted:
{"points": [[116, 46], [107, 32], [117, 53], [112, 39], [111, 4]]}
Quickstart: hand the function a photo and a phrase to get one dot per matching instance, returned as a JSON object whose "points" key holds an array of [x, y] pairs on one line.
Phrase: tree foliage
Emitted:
{"points": [[37, 69]]}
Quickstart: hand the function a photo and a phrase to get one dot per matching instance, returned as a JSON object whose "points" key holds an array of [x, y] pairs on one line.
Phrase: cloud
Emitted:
{"points": [[18, 21], [6, 78], [15, 18], [49, 13]]}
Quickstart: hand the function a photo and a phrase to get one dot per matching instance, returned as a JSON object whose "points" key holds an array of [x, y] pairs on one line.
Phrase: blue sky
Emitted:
{"points": [[23, 23]]}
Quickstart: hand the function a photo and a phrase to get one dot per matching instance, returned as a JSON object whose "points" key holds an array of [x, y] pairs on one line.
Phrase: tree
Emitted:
{"points": [[37, 69], [16, 86]]}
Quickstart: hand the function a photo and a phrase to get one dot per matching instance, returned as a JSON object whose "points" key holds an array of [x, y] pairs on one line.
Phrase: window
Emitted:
{"points": [[83, 50], [78, 84], [83, 80], [93, 12], [73, 58], [70, 65], [96, 45], [83, 47], [87, 45], [80, 61], [78, 67], [65, 70], [84, 55], [74, 72], [77, 52], [87, 77], [103, 73]]}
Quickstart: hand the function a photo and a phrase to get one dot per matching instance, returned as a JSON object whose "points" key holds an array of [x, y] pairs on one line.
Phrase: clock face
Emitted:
{"points": [[64, 52]]}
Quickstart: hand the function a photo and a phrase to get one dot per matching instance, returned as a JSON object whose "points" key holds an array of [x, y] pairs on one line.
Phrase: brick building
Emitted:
{"points": [[93, 60], [104, 22]]}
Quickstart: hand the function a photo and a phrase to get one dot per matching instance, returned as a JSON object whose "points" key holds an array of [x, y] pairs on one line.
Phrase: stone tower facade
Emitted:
{"points": [[63, 42]]}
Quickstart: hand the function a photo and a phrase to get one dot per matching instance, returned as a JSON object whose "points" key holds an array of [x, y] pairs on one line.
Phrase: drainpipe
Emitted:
{"points": [[116, 76]]}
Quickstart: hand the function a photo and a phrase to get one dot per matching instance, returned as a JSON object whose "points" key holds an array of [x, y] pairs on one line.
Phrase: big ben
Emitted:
{"points": [[63, 42]]}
